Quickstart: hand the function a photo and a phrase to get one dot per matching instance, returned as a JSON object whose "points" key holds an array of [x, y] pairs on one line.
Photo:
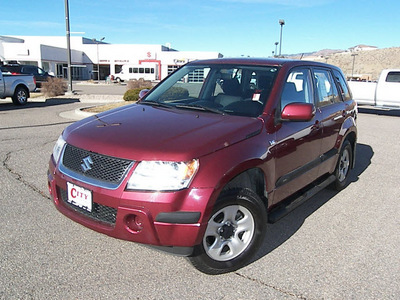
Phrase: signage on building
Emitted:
{"points": [[180, 61]]}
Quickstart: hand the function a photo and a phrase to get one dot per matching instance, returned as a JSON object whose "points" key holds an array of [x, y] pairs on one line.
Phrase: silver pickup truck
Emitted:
{"points": [[18, 87]]}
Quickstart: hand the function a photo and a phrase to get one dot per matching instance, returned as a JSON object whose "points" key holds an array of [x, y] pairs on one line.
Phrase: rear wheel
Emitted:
{"points": [[234, 233], [20, 96], [343, 167]]}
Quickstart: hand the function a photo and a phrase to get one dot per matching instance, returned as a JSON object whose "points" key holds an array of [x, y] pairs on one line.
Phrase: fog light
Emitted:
{"points": [[134, 223]]}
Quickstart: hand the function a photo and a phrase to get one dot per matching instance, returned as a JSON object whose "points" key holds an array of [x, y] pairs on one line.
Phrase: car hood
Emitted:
{"points": [[141, 132]]}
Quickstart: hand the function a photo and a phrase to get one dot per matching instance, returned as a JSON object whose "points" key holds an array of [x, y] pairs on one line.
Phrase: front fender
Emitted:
{"points": [[221, 167]]}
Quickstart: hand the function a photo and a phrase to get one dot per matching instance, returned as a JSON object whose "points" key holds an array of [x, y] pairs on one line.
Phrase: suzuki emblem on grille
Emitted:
{"points": [[86, 164]]}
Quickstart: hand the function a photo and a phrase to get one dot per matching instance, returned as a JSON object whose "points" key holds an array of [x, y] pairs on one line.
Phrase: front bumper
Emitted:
{"points": [[171, 221]]}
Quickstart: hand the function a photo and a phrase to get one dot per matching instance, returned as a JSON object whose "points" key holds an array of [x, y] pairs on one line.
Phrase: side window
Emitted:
{"points": [[297, 88], [30, 70], [393, 77], [40, 71], [326, 88], [342, 85]]}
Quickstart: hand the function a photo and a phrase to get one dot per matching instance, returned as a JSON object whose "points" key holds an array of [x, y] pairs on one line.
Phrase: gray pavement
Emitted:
{"points": [[336, 246]]}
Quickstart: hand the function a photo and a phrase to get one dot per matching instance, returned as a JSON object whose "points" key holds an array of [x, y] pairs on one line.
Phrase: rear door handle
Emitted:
{"points": [[343, 115]]}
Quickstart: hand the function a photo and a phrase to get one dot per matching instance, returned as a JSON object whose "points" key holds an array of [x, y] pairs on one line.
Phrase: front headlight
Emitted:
{"points": [[162, 175], [58, 147]]}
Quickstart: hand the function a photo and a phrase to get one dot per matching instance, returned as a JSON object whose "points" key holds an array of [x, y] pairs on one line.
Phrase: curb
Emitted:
{"points": [[84, 114]]}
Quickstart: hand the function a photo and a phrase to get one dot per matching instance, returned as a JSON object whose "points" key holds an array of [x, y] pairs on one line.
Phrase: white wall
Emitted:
{"points": [[52, 49]]}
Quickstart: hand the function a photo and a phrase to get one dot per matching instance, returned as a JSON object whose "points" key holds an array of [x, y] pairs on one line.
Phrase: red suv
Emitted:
{"points": [[210, 155]]}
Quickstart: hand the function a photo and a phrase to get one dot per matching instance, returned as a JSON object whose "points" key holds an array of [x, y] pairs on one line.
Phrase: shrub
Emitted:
{"points": [[54, 87], [133, 94], [175, 93], [138, 84]]}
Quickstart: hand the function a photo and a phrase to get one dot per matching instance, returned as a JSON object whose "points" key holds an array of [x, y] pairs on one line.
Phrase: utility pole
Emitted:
{"points": [[352, 69]]}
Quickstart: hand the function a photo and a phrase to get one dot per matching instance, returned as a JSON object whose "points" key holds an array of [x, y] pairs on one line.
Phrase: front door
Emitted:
{"points": [[297, 145]]}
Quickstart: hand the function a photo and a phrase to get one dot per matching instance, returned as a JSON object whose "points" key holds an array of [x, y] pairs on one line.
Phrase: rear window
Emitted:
{"points": [[11, 69], [393, 77]]}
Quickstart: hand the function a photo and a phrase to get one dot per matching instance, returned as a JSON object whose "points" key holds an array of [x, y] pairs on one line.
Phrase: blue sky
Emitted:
{"points": [[231, 27]]}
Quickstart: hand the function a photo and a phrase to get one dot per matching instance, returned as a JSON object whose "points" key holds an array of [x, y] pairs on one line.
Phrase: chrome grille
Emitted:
{"points": [[102, 213], [105, 171]]}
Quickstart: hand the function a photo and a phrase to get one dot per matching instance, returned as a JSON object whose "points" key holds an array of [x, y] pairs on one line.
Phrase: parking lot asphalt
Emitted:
{"points": [[336, 246]]}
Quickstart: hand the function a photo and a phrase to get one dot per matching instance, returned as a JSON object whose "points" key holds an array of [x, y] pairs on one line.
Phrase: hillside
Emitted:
{"points": [[368, 63]]}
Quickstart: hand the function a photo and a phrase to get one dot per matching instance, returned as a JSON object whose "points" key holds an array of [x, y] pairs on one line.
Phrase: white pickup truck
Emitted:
{"points": [[384, 93], [18, 87]]}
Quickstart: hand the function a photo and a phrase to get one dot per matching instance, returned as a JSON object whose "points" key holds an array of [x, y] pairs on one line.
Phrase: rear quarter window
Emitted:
{"points": [[342, 85]]}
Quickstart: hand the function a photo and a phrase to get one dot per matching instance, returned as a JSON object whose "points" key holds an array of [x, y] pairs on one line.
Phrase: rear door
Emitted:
{"points": [[297, 146], [332, 113]]}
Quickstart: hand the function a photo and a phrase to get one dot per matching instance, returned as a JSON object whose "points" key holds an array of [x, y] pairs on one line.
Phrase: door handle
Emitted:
{"points": [[316, 126]]}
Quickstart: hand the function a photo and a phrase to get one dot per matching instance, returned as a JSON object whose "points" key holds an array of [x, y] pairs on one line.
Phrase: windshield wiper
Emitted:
{"points": [[155, 103], [200, 107]]}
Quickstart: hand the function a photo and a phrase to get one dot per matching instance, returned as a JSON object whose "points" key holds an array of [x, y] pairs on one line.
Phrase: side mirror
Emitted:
{"points": [[298, 112], [143, 93]]}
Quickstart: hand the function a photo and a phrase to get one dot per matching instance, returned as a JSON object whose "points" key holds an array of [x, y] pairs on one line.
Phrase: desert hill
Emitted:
{"points": [[367, 63]]}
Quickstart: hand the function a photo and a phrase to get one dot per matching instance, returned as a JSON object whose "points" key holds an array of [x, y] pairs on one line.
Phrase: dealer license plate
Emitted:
{"points": [[79, 196]]}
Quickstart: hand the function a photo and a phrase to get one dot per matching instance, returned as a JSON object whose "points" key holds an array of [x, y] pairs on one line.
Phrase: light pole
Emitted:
{"points": [[98, 59], [281, 22], [276, 49], [69, 91]]}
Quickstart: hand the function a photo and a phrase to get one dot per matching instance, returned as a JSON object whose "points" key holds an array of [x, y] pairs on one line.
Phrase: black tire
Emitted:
{"points": [[234, 233], [343, 166], [20, 96]]}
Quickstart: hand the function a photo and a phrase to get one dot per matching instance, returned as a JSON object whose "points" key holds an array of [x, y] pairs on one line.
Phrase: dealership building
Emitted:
{"points": [[91, 58]]}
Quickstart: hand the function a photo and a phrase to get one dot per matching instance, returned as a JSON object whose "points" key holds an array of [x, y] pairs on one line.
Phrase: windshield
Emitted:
{"points": [[226, 89]]}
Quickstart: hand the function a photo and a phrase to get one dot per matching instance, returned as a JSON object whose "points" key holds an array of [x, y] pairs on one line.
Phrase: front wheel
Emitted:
{"points": [[343, 166], [234, 233], [20, 96]]}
